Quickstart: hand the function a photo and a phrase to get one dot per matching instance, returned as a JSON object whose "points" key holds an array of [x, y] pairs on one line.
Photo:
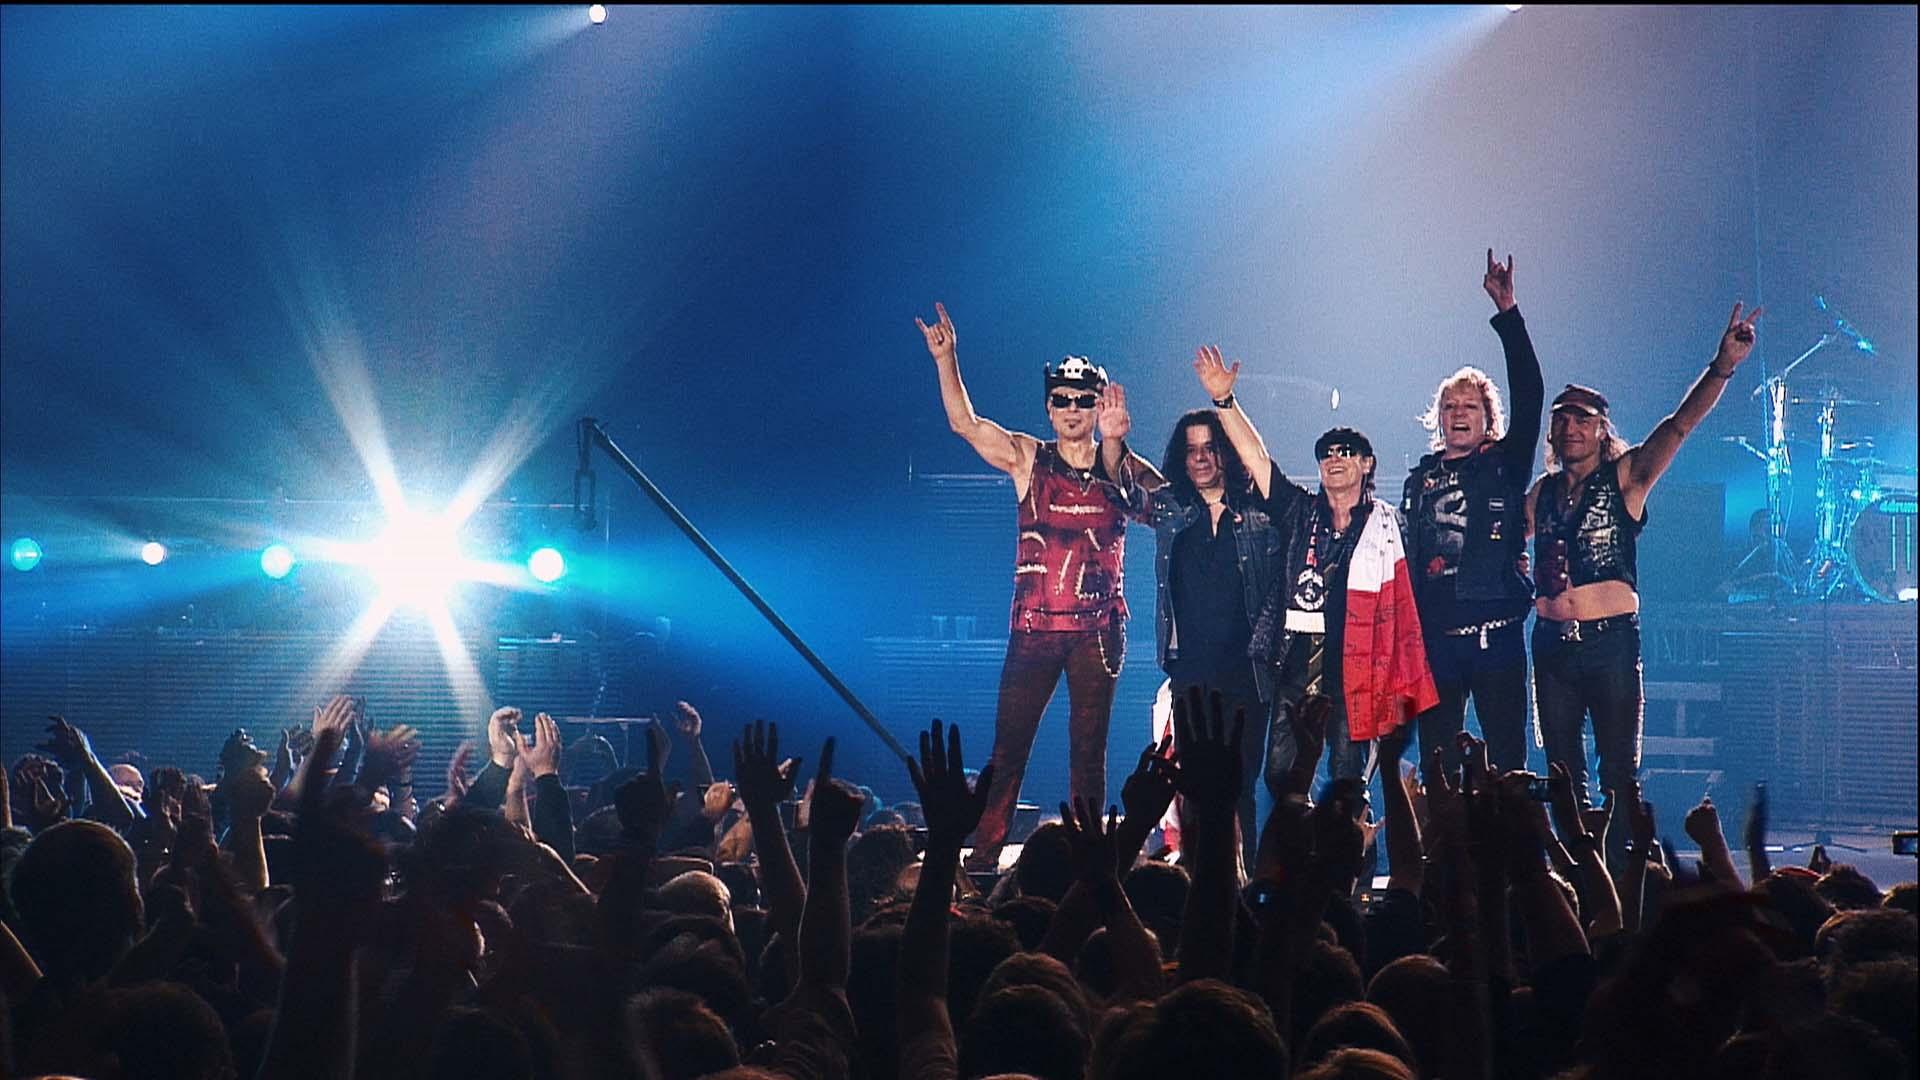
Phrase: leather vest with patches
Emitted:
{"points": [[1602, 538]]}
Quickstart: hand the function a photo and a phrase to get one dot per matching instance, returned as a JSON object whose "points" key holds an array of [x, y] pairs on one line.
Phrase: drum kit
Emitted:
{"points": [[1863, 544]]}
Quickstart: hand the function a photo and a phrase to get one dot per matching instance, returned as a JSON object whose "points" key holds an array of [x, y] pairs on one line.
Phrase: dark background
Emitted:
{"points": [[241, 247]]}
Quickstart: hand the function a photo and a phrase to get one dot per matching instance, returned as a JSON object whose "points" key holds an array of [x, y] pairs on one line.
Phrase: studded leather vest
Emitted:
{"points": [[1068, 574], [1601, 538]]}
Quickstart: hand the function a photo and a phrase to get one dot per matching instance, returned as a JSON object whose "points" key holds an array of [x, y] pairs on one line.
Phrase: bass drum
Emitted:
{"points": [[1881, 547]]}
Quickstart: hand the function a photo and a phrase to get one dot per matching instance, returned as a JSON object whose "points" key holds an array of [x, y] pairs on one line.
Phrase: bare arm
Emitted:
{"points": [[1647, 462], [1703, 825], [927, 1045], [1759, 864], [826, 923], [1208, 751], [1218, 380], [998, 447], [1633, 877], [687, 722], [764, 782], [1406, 866]]}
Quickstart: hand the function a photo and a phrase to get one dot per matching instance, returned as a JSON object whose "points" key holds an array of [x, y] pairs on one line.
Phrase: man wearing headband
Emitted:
{"points": [[1338, 620], [1586, 514], [1069, 614], [1465, 511]]}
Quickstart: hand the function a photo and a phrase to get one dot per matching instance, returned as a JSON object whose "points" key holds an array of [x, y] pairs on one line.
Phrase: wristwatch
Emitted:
{"points": [[1224, 402]]}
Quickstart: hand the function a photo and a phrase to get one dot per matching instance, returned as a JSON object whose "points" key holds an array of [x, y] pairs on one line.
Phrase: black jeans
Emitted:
{"points": [[1091, 660], [1496, 679], [1598, 676], [1305, 671]]}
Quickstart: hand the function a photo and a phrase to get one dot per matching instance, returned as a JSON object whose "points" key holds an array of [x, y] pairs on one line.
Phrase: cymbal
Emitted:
{"points": [[1883, 465], [1828, 401]]}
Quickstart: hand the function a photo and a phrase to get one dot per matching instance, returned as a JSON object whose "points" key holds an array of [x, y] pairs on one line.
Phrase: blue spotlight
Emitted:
{"points": [[26, 554], [277, 561], [546, 565], [153, 553]]}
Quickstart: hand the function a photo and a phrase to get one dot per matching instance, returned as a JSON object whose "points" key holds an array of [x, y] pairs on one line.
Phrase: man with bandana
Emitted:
{"points": [[1069, 612], [1586, 514]]}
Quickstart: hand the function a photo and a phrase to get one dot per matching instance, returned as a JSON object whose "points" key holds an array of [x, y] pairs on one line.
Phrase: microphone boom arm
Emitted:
{"points": [[591, 430]]}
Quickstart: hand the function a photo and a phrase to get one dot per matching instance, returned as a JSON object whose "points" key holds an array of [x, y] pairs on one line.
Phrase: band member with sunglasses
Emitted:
{"points": [[1338, 619], [1466, 534], [1586, 514], [1069, 614]]}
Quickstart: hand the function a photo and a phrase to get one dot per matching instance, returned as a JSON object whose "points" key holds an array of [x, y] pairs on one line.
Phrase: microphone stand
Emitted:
{"points": [[592, 432]]}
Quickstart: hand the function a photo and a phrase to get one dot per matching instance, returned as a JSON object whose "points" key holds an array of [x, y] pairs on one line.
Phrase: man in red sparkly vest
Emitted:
{"points": [[1068, 612]]}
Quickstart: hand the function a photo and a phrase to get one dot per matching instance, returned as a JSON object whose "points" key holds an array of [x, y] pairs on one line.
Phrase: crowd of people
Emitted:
{"points": [[305, 914], [561, 913]]}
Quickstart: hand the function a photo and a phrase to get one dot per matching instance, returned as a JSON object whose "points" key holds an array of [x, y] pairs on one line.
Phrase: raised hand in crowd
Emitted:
{"points": [[1703, 827], [503, 736], [1145, 795], [764, 782], [70, 746], [952, 812], [387, 757], [1759, 864], [1207, 746], [686, 720], [457, 779], [337, 876]]}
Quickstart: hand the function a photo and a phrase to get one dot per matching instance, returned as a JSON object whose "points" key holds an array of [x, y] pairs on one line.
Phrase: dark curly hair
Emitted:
{"points": [[1173, 464]]}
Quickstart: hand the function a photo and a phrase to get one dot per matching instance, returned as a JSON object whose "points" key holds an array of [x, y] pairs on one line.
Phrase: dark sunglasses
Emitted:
{"points": [[1073, 401], [1340, 451]]}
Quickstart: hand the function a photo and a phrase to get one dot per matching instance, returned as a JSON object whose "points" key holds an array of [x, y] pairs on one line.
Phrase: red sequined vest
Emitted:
{"points": [[1069, 571]]}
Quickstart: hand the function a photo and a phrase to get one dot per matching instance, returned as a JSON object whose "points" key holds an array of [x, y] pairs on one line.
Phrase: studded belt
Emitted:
{"points": [[1582, 629], [1481, 630]]}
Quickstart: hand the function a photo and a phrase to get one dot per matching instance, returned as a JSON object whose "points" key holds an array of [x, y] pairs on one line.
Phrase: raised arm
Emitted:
{"points": [[1218, 379], [1527, 390], [826, 922], [1647, 462], [927, 1046], [1004, 450], [1116, 459], [687, 721], [1703, 826], [765, 782], [70, 746], [1208, 750]]}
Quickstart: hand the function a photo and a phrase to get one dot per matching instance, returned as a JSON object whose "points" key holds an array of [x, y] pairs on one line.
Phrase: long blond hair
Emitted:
{"points": [[1490, 400]]}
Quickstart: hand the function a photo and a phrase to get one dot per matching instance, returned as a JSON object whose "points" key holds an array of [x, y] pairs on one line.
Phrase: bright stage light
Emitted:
{"points": [[153, 553], [546, 565], [26, 554], [1908, 594], [277, 561], [597, 14], [1514, 7], [417, 560]]}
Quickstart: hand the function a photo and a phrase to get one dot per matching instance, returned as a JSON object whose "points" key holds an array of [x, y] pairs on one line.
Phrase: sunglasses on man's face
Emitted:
{"points": [[1339, 451], [1073, 401]]}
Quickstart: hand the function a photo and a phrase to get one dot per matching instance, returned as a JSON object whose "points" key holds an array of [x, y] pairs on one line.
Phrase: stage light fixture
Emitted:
{"points": [[276, 561], [597, 14], [417, 560], [26, 554], [153, 553], [546, 565], [1515, 7]]}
